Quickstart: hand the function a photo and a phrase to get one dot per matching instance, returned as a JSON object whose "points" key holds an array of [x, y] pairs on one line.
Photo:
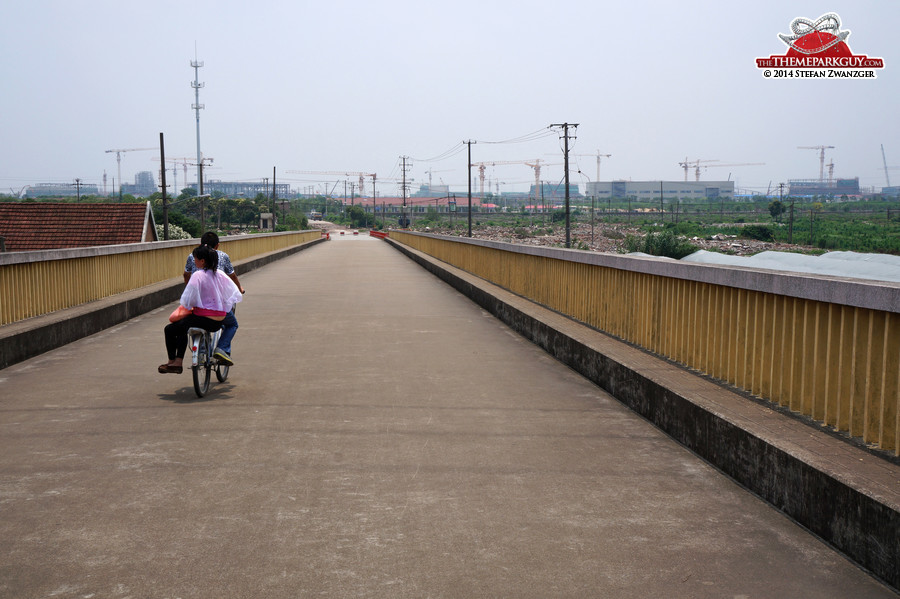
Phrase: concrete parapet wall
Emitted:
{"points": [[825, 347], [27, 338], [842, 493], [41, 282]]}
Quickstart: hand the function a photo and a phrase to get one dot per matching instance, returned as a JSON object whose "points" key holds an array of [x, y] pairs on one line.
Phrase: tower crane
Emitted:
{"points": [[430, 171], [536, 164], [695, 164], [361, 176], [887, 168], [821, 158], [482, 167], [119, 161], [735, 164], [184, 162], [599, 156]]}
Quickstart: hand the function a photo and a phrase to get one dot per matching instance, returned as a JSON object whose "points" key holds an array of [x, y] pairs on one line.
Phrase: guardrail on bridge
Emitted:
{"points": [[37, 283], [825, 347]]}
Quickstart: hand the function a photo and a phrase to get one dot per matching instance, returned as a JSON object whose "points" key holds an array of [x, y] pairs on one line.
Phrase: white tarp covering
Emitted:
{"points": [[878, 267]]}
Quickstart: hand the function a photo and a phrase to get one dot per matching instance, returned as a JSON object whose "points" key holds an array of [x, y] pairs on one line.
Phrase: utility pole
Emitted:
{"points": [[791, 225], [162, 161], [565, 127], [469, 143], [406, 220], [274, 197], [77, 189], [810, 226], [662, 209], [202, 207], [375, 205]]}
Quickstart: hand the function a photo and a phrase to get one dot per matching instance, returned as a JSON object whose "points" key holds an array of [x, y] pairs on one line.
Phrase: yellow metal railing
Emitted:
{"points": [[36, 283], [831, 352]]}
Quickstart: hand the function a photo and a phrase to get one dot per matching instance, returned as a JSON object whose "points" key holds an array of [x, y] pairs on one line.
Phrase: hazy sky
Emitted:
{"points": [[352, 86]]}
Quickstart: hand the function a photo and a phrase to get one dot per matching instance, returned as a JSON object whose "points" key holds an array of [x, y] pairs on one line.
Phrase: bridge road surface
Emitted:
{"points": [[380, 436]]}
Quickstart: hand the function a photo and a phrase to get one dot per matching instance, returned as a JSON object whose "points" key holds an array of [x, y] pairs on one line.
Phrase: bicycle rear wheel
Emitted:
{"points": [[203, 368]]}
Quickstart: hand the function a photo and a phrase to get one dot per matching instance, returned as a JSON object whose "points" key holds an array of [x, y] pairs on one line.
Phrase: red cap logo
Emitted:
{"points": [[818, 49]]}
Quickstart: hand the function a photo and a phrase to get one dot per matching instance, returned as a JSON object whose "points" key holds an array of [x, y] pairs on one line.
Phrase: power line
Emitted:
{"points": [[533, 136], [453, 151]]}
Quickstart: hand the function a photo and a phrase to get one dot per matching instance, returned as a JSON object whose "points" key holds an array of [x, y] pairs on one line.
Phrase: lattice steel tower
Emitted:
{"points": [[196, 64]]}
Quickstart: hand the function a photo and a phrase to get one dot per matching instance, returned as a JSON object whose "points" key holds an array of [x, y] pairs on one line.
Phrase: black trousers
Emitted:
{"points": [[177, 337]]}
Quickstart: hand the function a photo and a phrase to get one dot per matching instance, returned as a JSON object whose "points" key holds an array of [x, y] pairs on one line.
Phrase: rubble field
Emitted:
{"points": [[610, 238]]}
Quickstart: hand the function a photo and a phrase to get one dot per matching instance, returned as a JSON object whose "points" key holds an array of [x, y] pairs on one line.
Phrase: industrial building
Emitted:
{"points": [[144, 185], [826, 187], [58, 190], [247, 189], [650, 190]]}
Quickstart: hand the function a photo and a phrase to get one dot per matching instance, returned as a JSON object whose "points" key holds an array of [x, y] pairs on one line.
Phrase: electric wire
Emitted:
{"points": [[533, 136]]}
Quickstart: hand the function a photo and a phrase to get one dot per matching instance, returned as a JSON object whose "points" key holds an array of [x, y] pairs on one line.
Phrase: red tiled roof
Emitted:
{"points": [[51, 225]]}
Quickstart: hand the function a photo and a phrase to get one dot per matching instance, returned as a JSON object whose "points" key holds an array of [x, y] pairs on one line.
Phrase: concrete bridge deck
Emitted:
{"points": [[380, 436]]}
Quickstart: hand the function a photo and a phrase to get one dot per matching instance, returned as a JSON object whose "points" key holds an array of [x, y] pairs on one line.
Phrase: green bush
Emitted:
{"points": [[665, 244], [758, 232]]}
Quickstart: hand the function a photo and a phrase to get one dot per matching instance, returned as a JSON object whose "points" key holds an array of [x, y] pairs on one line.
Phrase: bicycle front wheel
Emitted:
{"points": [[202, 370]]}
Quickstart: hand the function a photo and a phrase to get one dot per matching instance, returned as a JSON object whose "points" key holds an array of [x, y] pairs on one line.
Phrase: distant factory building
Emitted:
{"points": [[144, 185], [56, 190], [247, 189], [432, 191], [554, 191], [648, 190], [818, 187]]}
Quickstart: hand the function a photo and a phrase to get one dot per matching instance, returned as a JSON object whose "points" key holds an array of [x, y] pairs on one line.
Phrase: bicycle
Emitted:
{"points": [[202, 345]]}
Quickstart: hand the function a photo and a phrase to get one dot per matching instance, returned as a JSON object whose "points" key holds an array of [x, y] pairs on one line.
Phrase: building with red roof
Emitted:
{"points": [[29, 226]]}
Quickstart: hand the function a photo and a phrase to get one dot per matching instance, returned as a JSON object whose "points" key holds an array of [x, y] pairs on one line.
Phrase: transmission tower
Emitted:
{"points": [[196, 64]]}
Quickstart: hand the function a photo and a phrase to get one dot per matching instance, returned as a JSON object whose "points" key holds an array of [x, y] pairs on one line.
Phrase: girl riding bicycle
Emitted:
{"points": [[210, 295]]}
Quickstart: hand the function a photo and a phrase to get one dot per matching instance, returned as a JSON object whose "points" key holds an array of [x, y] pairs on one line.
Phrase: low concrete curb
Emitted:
{"points": [[28, 338], [844, 494]]}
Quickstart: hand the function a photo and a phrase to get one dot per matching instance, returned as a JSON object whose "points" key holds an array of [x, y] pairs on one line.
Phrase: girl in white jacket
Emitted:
{"points": [[210, 294]]}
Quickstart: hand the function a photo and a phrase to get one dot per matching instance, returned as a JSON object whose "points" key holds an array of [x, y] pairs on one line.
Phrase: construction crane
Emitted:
{"points": [[361, 176], [695, 164], [735, 164], [184, 162], [119, 161], [430, 171], [599, 156], [821, 158], [536, 164], [887, 168]]}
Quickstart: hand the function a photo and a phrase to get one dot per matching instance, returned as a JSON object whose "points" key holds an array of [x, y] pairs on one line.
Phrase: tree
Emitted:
{"points": [[357, 216], [776, 209]]}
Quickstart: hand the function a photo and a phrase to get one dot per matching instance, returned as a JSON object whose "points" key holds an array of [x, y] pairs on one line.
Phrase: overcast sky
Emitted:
{"points": [[352, 86]]}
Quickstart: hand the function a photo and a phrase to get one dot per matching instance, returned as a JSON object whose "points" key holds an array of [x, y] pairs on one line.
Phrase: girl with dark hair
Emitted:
{"points": [[210, 294], [209, 256]]}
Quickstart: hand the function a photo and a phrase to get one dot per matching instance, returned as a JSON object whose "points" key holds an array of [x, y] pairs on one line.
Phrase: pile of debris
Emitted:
{"points": [[610, 238], [738, 246]]}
